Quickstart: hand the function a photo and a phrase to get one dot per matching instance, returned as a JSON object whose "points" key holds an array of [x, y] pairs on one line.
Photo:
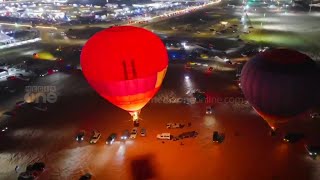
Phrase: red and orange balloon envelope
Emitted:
{"points": [[125, 65]]}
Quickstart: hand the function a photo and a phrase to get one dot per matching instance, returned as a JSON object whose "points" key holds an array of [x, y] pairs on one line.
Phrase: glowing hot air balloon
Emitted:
{"points": [[125, 65], [280, 84]]}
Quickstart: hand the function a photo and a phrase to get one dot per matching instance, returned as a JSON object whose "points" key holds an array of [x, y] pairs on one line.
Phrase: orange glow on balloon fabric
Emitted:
{"points": [[125, 65]]}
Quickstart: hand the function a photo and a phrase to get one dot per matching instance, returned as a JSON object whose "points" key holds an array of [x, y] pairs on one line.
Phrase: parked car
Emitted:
{"points": [[185, 101], [26, 176], [143, 132], [134, 130], [315, 115], [5, 128], [4, 122], [164, 136], [111, 138], [209, 110], [200, 96], [86, 176], [174, 125], [217, 138], [125, 135], [9, 113], [189, 134], [95, 137], [292, 137], [313, 151], [134, 133], [80, 136], [187, 66], [32, 171], [38, 166], [46, 72], [21, 104]]}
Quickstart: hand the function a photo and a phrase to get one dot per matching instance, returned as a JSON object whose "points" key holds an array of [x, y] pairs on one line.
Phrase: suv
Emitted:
{"points": [[217, 138], [111, 138], [313, 151], [95, 137], [125, 135]]}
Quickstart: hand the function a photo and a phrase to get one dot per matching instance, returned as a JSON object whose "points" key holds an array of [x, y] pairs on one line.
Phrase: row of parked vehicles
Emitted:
{"points": [[168, 136], [312, 150], [96, 135], [216, 137]]}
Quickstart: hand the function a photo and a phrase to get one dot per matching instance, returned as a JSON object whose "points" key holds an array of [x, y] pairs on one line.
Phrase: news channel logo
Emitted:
{"points": [[41, 94]]}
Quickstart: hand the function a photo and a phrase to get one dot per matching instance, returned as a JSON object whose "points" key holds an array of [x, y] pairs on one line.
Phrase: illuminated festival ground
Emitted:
{"points": [[248, 150]]}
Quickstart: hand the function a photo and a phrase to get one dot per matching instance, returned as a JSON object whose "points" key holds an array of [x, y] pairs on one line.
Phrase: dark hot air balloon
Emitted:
{"points": [[280, 84]]}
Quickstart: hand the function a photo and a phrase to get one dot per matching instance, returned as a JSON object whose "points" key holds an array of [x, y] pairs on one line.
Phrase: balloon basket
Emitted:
{"points": [[135, 115]]}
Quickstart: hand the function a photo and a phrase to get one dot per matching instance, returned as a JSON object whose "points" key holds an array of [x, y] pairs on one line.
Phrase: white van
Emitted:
{"points": [[164, 136]]}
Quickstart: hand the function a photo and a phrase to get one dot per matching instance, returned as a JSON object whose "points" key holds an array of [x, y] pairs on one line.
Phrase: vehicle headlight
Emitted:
{"points": [[310, 153], [81, 138]]}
